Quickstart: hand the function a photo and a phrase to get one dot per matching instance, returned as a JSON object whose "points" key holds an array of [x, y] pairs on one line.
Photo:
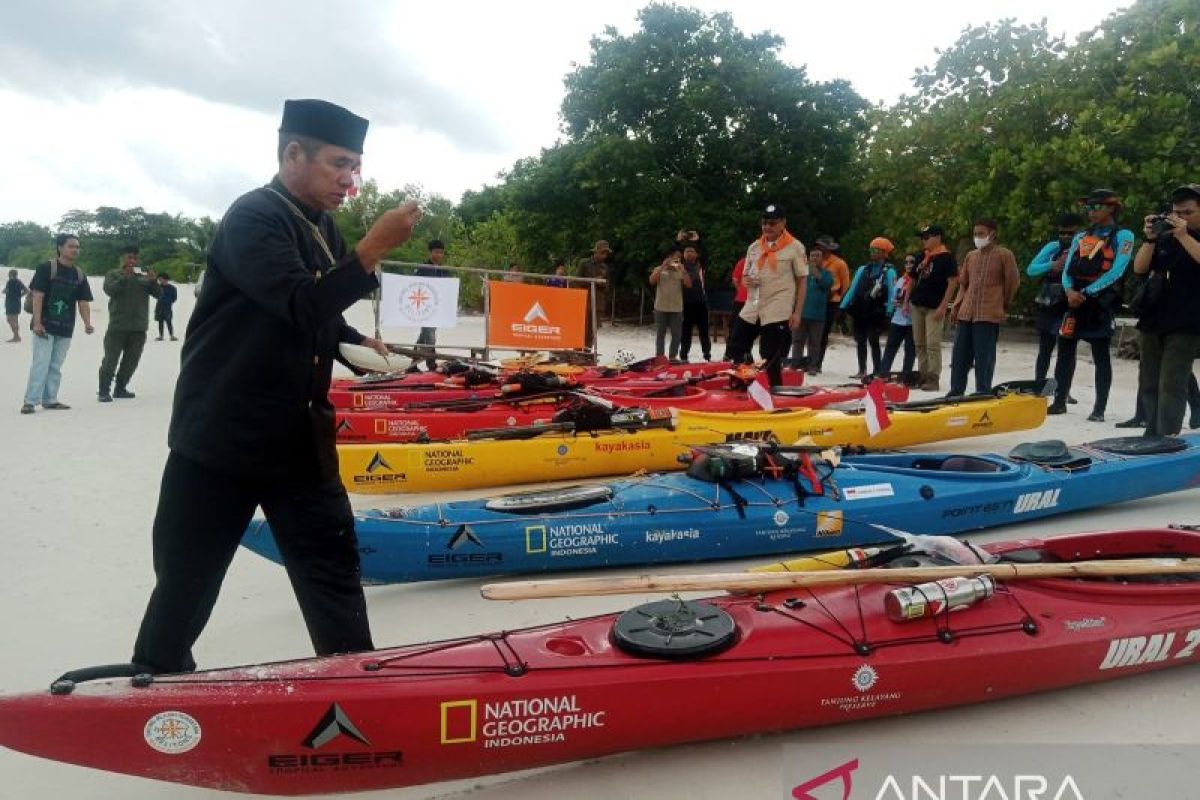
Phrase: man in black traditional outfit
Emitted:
{"points": [[252, 424]]}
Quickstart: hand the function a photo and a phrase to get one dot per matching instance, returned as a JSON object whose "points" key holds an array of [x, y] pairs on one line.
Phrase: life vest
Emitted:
{"points": [[1093, 258]]}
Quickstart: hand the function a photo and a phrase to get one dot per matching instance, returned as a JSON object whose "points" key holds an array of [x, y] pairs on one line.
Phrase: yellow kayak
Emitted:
{"points": [[548, 456]]}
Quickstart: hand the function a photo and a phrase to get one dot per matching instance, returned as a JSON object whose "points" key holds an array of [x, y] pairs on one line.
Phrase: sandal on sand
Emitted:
{"points": [[56, 406]]}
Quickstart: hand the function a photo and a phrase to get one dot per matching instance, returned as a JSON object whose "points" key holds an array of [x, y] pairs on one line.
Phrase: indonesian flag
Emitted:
{"points": [[876, 408], [356, 186], [760, 391]]}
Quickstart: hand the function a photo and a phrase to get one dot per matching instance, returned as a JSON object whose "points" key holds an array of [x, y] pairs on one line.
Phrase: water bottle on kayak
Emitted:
{"points": [[937, 597]]}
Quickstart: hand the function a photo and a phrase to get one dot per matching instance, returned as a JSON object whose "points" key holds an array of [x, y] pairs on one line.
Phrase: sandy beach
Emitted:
{"points": [[78, 493]]}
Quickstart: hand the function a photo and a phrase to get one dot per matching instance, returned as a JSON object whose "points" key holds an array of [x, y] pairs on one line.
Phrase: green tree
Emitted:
{"points": [[16, 236], [685, 123]]}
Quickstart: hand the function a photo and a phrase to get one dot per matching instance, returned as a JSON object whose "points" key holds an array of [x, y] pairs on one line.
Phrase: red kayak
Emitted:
{"points": [[659, 674], [454, 419], [381, 394]]}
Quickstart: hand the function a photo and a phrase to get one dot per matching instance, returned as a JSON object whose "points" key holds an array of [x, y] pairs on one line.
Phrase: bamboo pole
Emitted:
{"points": [[769, 581]]}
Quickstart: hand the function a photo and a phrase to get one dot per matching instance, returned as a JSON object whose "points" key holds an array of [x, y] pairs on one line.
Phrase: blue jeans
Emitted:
{"points": [[45, 373], [974, 346]]}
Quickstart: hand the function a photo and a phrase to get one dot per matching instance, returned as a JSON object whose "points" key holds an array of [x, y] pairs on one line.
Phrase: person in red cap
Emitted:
{"points": [[869, 302], [252, 425]]}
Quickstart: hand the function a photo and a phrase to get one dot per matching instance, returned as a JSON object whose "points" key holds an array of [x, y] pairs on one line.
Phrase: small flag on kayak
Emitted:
{"points": [[876, 408], [760, 391]]}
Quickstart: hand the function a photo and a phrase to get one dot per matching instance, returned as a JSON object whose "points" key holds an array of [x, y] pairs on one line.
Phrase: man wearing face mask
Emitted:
{"points": [[1095, 263], [1170, 326], [1051, 301], [987, 282]]}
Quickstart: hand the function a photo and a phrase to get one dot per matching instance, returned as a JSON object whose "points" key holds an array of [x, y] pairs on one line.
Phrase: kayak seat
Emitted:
{"points": [[541, 501], [1139, 445], [1050, 453], [793, 391], [1028, 555], [957, 464]]}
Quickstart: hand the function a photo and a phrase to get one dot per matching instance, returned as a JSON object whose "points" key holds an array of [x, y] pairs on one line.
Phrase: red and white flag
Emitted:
{"points": [[876, 408], [760, 391]]}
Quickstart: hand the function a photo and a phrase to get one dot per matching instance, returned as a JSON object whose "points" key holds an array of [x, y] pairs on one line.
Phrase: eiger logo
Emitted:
{"points": [[463, 535], [335, 723], [378, 462], [344, 425], [536, 312]]}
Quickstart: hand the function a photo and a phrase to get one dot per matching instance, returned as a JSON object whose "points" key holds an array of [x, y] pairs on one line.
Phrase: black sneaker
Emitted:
{"points": [[1096, 416], [1132, 422], [123, 394], [104, 397], [27, 409], [1071, 400], [1057, 408]]}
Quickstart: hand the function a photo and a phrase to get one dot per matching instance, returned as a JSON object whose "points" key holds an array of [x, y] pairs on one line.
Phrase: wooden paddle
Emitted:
{"points": [[769, 581]]}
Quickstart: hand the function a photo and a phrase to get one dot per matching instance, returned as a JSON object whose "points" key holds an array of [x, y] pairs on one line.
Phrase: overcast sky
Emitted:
{"points": [[174, 106]]}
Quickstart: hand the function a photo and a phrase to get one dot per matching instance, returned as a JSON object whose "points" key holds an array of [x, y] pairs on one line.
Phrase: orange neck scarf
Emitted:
{"points": [[767, 251], [929, 254]]}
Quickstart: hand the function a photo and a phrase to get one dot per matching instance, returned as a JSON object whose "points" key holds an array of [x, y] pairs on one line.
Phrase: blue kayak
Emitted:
{"points": [[756, 499]]}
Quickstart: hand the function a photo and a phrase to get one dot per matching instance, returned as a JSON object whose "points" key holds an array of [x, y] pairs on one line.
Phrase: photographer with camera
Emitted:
{"points": [[129, 290], [669, 279], [1169, 322], [1095, 264]]}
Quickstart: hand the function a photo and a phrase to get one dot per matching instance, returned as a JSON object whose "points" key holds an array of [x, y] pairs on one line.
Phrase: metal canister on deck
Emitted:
{"points": [[937, 597]]}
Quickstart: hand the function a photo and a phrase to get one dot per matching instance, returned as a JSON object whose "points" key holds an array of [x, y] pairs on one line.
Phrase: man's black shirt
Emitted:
{"points": [[1178, 307], [253, 390]]}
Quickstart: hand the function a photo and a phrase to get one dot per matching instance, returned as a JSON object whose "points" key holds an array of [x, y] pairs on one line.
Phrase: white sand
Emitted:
{"points": [[78, 495]]}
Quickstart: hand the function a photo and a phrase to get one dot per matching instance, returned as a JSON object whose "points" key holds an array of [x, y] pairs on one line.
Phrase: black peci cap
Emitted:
{"points": [[774, 211], [931, 230], [325, 121]]}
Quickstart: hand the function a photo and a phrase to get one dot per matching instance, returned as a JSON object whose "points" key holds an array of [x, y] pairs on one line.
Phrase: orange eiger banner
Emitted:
{"points": [[534, 317]]}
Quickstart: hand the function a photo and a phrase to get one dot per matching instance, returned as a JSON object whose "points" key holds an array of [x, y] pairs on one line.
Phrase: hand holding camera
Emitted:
{"points": [[1164, 224]]}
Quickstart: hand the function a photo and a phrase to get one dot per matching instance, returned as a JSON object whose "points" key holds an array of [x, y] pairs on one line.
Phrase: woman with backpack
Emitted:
{"points": [[869, 302]]}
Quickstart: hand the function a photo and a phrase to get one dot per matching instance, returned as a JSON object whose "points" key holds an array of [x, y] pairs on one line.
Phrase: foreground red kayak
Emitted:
{"points": [[454, 419], [661, 673]]}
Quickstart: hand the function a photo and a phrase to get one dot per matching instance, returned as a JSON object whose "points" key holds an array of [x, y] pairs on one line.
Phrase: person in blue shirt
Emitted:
{"points": [[1051, 301], [869, 302], [808, 334], [1095, 263]]}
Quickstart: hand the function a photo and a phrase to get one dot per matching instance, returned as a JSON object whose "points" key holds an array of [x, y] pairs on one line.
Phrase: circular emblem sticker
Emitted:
{"points": [[511, 421], [172, 732], [865, 677], [781, 518], [562, 449]]}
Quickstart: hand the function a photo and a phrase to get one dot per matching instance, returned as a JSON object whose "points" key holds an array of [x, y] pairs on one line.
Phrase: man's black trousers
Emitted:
{"points": [[202, 515]]}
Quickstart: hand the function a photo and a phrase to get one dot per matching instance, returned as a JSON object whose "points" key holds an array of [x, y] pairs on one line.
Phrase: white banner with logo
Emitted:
{"points": [[411, 301]]}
